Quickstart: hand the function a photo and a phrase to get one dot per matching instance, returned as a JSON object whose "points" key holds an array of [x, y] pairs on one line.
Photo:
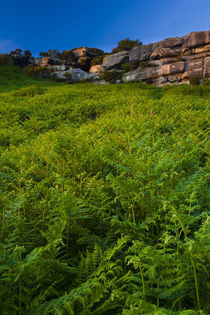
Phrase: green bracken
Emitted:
{"points": [[103, 198]]}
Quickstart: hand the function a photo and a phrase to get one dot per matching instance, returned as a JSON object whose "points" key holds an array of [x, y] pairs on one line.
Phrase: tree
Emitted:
{"points": [[126, 44], [16, 52], [27, 53]]}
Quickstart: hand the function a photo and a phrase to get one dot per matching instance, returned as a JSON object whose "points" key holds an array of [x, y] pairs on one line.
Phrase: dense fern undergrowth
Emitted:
{"points": [[103, 198]]}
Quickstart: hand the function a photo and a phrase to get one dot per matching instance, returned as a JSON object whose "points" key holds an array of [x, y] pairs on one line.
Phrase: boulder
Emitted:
{"points": [[97, 68], [162, 52], [173, 68], [115, 60], [59, 68], [196, 39], [141, 53], [196, 56], [206, 73], [160, 81], [172, 42], [194, 68], [142, 74], [175, 78], [202, 49]]}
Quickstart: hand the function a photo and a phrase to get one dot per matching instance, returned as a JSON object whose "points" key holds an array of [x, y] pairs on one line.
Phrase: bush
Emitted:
{"points": [[27, 53], [97, 61], [5, 59], [28, 91], [68, 56], [129, 66], [38, 71], [193, 80], [112, 76], [43, 54], [126, 44]]}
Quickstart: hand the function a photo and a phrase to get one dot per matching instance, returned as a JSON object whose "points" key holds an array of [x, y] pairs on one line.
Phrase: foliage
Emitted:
{"points": [[44, 54], [37, 71], [111, 76], [30, 91], [129, 66], [68, 56], [126, 44], [27, 53], [98, 60], [5, 59], [104, 198], [194, 80]]}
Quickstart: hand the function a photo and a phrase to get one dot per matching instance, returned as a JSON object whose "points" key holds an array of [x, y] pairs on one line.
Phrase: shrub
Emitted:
{"points": [[16, 52], [193, 80], [37, 71], [28, 91], [97, 61], [68, 56], [43, 54], [126, 44], [5, 59], [27, 53], [68, 77], [129, 66], [112, 76]]}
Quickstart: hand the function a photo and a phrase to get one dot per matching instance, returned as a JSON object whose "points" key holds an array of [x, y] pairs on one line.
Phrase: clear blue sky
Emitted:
{"points": [[65, 24]]}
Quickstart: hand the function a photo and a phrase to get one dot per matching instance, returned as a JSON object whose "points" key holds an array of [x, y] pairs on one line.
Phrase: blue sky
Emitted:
{"points": [[65, 24]]}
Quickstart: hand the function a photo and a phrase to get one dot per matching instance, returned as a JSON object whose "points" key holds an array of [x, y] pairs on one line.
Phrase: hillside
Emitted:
{"points": [[104, 198]]}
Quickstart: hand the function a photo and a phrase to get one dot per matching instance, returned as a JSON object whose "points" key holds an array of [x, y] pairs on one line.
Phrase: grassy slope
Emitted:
{"points": [[123, 166]]}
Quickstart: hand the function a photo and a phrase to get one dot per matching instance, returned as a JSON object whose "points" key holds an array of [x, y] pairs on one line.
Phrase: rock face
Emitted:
{"points": [[114, 60], [97, 68], [76, 74], [173, 60]]}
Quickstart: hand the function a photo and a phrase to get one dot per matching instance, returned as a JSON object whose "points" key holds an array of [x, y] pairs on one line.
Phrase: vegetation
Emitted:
{"points": [[126, 44], [129, 66], [111, 76], [37, 71], [103, 193], [97, 61]]}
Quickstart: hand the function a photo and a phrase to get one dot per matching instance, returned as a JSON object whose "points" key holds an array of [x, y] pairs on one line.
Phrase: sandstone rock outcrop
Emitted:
{"points": [[113, 60], [173, 60]]}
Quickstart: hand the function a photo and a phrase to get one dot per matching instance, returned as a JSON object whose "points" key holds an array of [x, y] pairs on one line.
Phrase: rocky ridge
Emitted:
{"points": [[171, 61]]}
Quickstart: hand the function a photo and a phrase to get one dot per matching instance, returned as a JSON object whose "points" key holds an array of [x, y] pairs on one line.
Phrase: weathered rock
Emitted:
{"points": [[162, 52], [160, 81], [196, 39], [201, 49], [84, 63], [172, 42], [173, 68], [206, 67], [59, 68], [115, 60], [97, 68], [196, 56], [45, 61], [194, 68], [141, 53], [175, 78], [38, 61], [142, 74]]}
